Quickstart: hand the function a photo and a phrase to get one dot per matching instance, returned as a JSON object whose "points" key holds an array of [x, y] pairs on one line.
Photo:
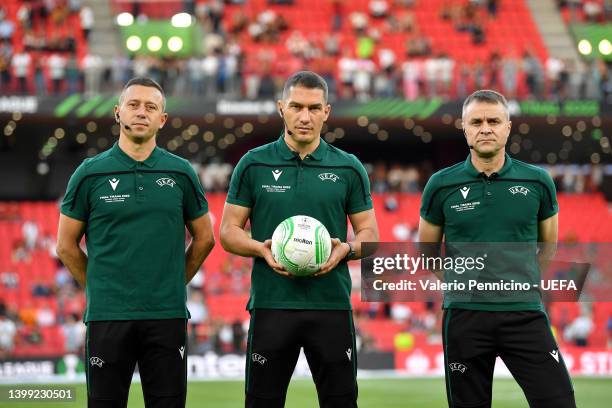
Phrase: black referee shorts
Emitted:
{"points": [[274, 342], [158, 346], [472, 341]]}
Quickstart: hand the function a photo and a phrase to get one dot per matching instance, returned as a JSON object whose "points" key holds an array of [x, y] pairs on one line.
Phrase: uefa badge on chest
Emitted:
{"points": [[519, 190], [329, 176], [165, 181]]}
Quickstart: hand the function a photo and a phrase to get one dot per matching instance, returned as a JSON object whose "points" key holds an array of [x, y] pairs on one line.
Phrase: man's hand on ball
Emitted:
{"points": [[266, 253], [337, 254]]}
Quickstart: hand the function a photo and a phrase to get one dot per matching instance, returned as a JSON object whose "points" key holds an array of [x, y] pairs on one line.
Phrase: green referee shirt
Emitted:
{"points": [[505, 207], [276, 184], [135, 214]]}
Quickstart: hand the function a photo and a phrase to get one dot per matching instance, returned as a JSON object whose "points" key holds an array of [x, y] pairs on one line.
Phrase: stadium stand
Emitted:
{"points": [[597, 11], [429, 48], [45, 46]]}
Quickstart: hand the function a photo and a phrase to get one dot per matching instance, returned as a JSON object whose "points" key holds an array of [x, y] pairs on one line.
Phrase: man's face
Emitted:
{"points": [[141, 108], [305, 110], [486, 127]]}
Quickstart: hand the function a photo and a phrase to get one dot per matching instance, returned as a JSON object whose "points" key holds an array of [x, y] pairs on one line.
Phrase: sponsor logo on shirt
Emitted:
{"points": [[465, 206], [274, 188], [114, 182], [114, 198], [464, 191]]}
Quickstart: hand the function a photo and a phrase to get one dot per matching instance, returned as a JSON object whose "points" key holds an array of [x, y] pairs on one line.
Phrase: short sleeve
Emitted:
{"points": [[240, 191], [194, 199], [76, 203], [548, 200], [431, 205], [360, 197]]}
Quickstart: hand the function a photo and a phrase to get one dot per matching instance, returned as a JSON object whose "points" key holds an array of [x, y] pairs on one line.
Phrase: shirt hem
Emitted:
{"points": [[359, 209], [301, 306], [71, 214], [496, 307], [238, 202], [432, 220], [548, 215], [198, 214], [89, 317]]}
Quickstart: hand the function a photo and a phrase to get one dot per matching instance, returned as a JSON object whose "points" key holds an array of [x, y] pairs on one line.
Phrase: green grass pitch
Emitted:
{"points": [[373, 393]]}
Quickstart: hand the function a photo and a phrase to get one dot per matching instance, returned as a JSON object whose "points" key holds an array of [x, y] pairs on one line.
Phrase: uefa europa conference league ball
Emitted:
{"points": [[301, 244]]}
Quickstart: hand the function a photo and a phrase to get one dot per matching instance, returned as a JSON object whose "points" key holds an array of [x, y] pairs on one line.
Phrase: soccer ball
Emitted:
{"points": [[301, 244]]}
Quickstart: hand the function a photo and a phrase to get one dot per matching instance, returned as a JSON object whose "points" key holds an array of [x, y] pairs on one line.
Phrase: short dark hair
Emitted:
{"points": [[486, 96], [144, 81], [306, 79]]}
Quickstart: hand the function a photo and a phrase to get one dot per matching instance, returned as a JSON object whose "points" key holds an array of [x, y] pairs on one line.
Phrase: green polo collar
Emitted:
{"points": [[131, 163], [471, 170], [288, 154]]}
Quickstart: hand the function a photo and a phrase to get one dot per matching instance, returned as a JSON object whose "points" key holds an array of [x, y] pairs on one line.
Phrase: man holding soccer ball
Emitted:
{"points": [[299, 174]]}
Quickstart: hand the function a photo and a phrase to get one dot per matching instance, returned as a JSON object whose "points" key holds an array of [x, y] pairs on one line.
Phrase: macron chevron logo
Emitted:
{"points": [[114, 182], [276, 173], [554, 354], [464, 191]]}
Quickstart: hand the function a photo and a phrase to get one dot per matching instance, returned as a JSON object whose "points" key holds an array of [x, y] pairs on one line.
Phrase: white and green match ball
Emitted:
{"points": [[301, 244]]}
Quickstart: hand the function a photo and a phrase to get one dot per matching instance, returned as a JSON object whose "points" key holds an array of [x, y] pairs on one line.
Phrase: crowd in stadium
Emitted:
{"points": [[397, 177], [48, 60], [586, 10]]}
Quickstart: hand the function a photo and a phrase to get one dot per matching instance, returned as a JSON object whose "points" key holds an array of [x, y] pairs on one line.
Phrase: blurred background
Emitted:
{"points": [[398, 71]]}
